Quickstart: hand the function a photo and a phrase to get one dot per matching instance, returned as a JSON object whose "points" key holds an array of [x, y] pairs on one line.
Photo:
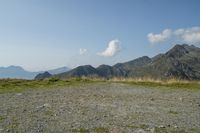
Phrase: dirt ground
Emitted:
{"points": [[101, 108]]}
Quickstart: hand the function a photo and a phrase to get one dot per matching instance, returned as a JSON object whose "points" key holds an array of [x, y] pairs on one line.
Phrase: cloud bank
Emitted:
{"points": [[185, 35], [157, 38], [82, 51], [189, 35], [112, 49]]}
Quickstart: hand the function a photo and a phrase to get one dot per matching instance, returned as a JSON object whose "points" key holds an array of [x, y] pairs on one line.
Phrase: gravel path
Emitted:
{"points": [[113, 108]]}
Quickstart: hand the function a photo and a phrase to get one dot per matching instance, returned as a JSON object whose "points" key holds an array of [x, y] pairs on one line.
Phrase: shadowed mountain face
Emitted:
{"points": [[43, 75], [86, 70], [182, 62]]}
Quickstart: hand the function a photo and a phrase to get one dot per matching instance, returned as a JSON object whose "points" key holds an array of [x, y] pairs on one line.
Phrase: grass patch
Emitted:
{"points": [[173, 112], [101, 130], [49, 113], [142, 126], [18, 85], [2, 118], [195, 130], [81, 130], [160, 130], [172, 83], [93, 130], [178, 131]]}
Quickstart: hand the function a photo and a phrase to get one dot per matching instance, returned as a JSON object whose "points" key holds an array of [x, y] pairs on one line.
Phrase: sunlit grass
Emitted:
{"points": [[18, 85], [173, 83]]}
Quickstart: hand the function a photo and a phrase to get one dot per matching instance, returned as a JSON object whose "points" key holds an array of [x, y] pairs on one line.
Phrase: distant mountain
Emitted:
{"points": [[86, 70], [19, 73], [43, 75], [182, 62], [59, 70], [16, 72]]}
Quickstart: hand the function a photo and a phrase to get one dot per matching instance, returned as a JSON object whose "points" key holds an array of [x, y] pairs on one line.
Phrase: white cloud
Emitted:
{"points": [[112, 49], [156, 38], [184, 35], [189, 35], [179, 32], [82, 51]]}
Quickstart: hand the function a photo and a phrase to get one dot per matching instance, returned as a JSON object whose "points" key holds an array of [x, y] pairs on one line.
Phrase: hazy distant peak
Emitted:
{"points": [[59, 70]]}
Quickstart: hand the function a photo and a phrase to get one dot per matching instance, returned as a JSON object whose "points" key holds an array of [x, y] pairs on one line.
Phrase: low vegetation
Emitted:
{"points": [[95, 130], [172, 83], [18, 85]]}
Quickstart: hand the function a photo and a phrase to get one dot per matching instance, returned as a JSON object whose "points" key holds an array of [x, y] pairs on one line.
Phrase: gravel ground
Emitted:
{"points": [[101, 107]]}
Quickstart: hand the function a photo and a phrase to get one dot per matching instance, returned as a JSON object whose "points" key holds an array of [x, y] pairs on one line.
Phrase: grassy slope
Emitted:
{"points": [[16, 85]]}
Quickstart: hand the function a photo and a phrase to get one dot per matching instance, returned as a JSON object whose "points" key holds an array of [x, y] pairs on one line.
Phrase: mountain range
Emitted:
{"points": [[20, 73], [180, 62]]}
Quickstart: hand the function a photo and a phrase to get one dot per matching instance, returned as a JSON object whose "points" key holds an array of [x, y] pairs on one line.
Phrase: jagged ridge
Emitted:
{"points": [[182, 62]]}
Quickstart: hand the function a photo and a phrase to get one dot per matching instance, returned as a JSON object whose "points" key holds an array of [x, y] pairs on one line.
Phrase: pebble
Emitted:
{"points": [[140, 131], [19, 94], [152, 99], [46, 105], [175, 126], [161, 126], [152, 130], [181, 99]]}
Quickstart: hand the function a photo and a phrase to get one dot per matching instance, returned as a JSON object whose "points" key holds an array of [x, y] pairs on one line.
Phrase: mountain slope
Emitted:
{"points": [[182, 62], [86, 70]]}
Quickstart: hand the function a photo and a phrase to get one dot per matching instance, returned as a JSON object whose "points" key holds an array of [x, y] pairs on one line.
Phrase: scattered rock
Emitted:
{"points": [[105, 116], [152, 99], [19, 94], [45, 105], [152, 130], [175, 126], [141, 131], [162, 126], [181, 99]]}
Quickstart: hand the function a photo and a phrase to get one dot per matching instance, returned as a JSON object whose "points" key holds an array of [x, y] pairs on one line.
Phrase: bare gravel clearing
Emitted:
{"points": [[101, 108]]}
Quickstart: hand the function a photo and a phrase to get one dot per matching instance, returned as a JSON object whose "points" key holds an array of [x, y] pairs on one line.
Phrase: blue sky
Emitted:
{"points": [[45, 34]]}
